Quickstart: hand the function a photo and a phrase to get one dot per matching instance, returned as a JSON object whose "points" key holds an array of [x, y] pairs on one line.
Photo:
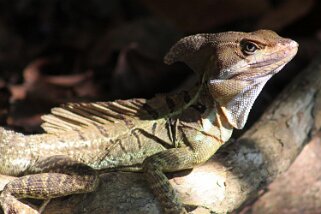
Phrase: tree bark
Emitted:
{"points": [[298, 190], [235, 174]]}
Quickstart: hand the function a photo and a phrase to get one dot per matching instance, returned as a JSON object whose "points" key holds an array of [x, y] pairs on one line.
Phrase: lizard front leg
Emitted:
{"points": [[52, 177], [174, 160]]}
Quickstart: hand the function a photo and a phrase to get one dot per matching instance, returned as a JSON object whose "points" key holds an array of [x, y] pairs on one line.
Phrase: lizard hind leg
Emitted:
{"points": [[52, 177]]}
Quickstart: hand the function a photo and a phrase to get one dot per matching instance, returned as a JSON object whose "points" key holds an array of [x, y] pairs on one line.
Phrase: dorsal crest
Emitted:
{"points": [[77, 116]]}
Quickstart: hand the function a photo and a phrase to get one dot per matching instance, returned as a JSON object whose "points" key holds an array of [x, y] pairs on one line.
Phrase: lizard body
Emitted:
{"points": [[167, 133]]}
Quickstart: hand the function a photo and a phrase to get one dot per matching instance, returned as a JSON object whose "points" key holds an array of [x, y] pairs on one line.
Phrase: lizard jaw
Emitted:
{"points": [[237, 91]]}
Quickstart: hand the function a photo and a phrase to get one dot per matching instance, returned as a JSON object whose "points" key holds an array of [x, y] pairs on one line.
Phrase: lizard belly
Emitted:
{"points": [[126, 153], [133, 146], [128, 148]]}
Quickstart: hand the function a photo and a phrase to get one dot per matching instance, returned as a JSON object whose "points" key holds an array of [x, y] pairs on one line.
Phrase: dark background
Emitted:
{"points": [[59, 51]]}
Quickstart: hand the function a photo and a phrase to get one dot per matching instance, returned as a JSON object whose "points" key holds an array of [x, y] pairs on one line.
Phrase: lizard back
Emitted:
{"points": [[107, 135]]}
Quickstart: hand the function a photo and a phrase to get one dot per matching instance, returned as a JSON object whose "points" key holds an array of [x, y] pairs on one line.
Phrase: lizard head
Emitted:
{"points": [[234, 65], [246, 56]]}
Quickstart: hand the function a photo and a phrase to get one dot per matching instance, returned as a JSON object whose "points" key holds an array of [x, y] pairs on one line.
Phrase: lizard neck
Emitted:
{"points": [[236, 97], [213, 121], [190, 98]]}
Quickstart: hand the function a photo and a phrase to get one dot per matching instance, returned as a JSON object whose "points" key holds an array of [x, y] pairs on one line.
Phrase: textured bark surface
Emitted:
{"points": [[235, 174], [298, 190]]}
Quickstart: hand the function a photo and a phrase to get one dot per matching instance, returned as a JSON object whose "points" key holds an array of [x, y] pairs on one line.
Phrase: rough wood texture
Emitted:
{"points": [[298, 190], [235, 174]]}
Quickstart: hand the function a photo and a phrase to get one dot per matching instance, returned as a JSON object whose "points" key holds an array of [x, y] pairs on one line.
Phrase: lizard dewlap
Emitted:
{"points": [[164, 134]]}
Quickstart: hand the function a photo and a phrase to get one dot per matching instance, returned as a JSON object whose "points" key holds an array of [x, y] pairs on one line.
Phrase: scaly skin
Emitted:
{"points": [[165, 134]]}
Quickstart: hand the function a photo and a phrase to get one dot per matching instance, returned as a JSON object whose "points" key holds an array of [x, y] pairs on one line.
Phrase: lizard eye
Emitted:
{"points": [[248, 47]]}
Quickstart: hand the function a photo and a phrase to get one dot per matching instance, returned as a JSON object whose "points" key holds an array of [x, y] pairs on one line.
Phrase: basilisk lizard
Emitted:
{"points": [[164, 134]]}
